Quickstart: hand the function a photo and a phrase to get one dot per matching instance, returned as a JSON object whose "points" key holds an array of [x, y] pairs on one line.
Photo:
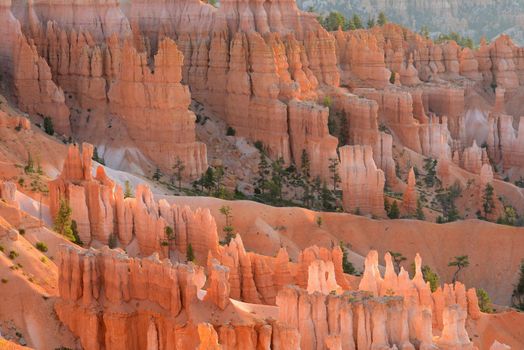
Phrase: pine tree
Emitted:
{"points": [[228, 227], [48, 126], [398, 258], [488, 202], [96, 158], [128, 191], [157, 175], [371, 22], [178, 169], [30, 166], [74, 230], [420, 212], [517, 297], [335, 177], [461, 262], [264, 172], [484, 301], [357, 22], [347, 266], [382, 19], [394, 212], [63, 220], [190, 255]]}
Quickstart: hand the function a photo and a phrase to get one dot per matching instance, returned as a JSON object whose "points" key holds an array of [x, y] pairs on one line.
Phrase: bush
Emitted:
{"points": [[13, 255], [4, 280], [484, 301], [113, 242], [394, 211], [190, 255], [21, 231], [41, 246], [231, 131], [48, 126]]}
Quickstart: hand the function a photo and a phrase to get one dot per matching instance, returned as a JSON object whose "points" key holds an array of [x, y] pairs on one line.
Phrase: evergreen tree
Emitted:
{"points": [[334, 20], [488, 201], [190, 255], [74, 230], [420, 212], [347, 266], [382, 19], [48, 126], [264, 173], [398, 258], [128, 191], [484, 301], [63, 221], [431, 277], [461, 262], [371, 22], [394, 211], [357, 22], [96, 158], [343, 133], [517, 297], [431, 173], [208, 180], [178, 169], [228, 227], [327, 198], [30, 166], [335, 177], [157, 175]]}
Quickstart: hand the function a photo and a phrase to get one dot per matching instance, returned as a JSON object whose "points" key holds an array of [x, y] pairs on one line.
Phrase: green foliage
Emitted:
{"points": [[190, 255], [459, 39], [96, 158], [228, 227], [520, 182], [157, 175], [392, 78], [333, 168], [178, 170], [517, 298], [431, 174], [431, 277], [260, 146], [213, 3], [382, 19], [356, 22], [488, 203], [420, 212], [231, 131], [461, 262], [424, 31], [48, 126], [113, 241], [170, 234], [484, 301], [327, 102], [446, 198], [63, 222], [41, 246], [398, 258], [371, 22], [211, 183], [394, 211], [13, 255], [333, 21], [74, 229], [30, 166], [128, 191], [510, 217], [319, 221], [347, 266]]}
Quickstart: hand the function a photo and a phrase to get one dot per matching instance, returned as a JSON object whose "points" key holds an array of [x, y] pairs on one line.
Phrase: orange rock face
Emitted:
{"points": [[102, 213], [362, 183]]}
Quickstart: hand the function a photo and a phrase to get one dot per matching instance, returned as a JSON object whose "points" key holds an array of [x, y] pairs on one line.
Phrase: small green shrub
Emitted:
{"points": [[41, 246], [231, 131], [13, 255]]}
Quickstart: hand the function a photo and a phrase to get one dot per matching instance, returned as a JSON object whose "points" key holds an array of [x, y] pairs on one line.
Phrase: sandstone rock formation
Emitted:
{"points": [[410, 197], [102, 213], [361, 182]]}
